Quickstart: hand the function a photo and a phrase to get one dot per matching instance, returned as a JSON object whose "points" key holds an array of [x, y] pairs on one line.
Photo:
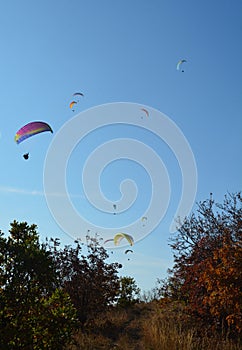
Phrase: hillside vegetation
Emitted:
{"points": [[62, 298]]}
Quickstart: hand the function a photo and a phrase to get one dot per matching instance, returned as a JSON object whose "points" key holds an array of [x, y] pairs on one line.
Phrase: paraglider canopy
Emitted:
{"points": [[72, 104], [108, 240], [119, 236], [31, 129], [78, 94], [145, 110], [127, 251], [180, 63]]}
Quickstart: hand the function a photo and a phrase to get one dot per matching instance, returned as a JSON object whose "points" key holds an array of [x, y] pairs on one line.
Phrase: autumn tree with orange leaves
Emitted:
{"points": [[207, 274]]}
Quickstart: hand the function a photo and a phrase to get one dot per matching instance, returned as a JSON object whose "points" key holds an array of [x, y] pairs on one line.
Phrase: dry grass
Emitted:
{"points": [[147, 327], [166, 330]]}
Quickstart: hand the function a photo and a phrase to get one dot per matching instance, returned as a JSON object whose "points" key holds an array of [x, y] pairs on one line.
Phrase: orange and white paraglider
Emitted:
{"points": [[72, 104]]}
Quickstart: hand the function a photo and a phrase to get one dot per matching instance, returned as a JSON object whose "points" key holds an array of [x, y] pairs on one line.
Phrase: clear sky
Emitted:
{"points": [[120, 51]]}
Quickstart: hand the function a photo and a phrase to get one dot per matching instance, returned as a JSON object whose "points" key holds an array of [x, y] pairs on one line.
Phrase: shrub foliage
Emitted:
{"points": [[208, 264]]}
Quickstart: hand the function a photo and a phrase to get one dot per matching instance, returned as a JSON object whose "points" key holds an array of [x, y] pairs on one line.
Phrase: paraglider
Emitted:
{"points": [[127, 251], [72, 104], [143, 220], [179, 64], [108, 240], [78, 94], [119, 236], [145, 110], [31, 129]]}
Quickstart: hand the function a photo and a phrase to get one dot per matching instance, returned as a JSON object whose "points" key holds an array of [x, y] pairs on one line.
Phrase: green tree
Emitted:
{"points": [[128, 293], [91, 283], [30, 301]]}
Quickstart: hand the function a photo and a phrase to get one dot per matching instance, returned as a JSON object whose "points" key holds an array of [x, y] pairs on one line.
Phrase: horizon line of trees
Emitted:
{"points": [[47, 293]]}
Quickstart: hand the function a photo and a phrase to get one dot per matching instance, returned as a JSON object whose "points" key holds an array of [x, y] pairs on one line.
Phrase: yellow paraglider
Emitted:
{"points": [[119, 236]]}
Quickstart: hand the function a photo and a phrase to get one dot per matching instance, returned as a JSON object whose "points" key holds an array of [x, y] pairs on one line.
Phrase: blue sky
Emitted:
{"points": [[116, 51]]}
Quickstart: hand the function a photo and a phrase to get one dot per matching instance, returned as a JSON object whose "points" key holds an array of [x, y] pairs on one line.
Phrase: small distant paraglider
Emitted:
{"points": [[114, 207], [78, 94], [71, 105], [31, 129], [146, 112], [143, 220], [179, 64], [128, 251]]}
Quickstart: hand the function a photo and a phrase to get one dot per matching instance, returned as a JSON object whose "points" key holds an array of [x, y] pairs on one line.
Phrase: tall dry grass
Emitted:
{"points": [[166, 329], [147, 327]]}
